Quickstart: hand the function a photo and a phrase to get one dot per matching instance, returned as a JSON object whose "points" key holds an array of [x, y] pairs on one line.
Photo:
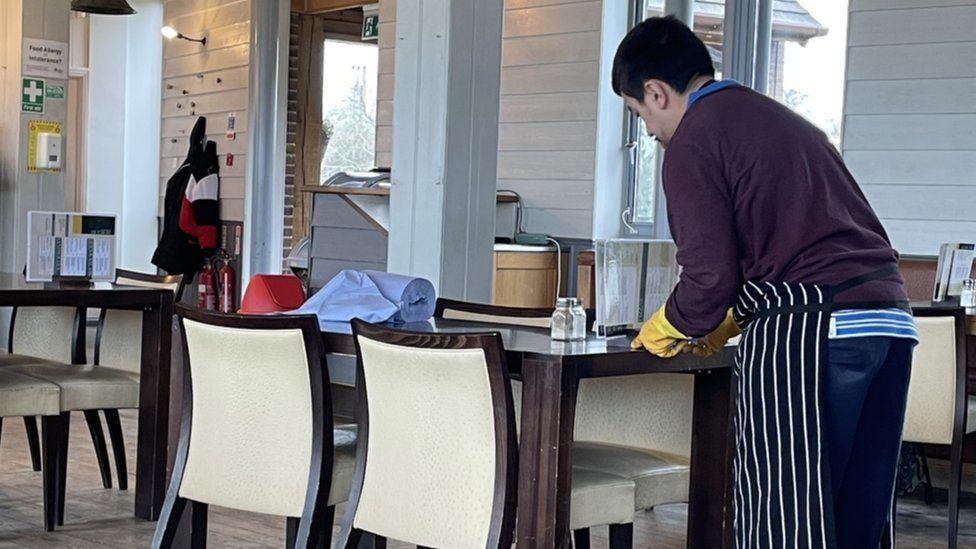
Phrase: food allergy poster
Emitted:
{"points": [[70, 244]]}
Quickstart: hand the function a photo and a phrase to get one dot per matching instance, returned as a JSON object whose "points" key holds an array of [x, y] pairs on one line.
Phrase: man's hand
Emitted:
{"points": [[708, 345], [659, 337]]}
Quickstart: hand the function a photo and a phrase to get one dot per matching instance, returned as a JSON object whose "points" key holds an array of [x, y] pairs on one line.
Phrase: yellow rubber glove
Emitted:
{"points": [[708, 345], [658, 336]]}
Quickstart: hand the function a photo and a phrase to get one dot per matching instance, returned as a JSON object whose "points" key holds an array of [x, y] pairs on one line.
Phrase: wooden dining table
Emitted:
{"points": [[154, 377], [551, 372]]}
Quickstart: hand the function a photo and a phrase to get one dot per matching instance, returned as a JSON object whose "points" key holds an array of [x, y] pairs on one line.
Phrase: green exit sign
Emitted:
{"points": [[371, 27]]}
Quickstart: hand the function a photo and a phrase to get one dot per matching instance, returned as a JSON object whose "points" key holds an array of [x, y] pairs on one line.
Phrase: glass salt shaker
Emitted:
{"points": [[968, 297], [579, 319], [561, 327]]}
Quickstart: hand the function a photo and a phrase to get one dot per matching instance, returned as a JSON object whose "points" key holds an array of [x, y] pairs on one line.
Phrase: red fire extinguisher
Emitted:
{"points": [[207, 287], [227, 277]]}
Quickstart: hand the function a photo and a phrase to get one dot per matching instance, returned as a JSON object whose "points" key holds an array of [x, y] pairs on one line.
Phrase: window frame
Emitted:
{"points": [[631, 143]]}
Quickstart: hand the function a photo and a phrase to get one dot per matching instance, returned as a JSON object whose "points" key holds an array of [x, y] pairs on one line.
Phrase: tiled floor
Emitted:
{"points": [[98, 518]]}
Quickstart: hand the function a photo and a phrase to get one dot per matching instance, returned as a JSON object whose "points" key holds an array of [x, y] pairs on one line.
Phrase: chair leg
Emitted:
{"points": [[622, 536], [63, 464], [581, 538], [927, 488], [50, 428], [198, 527], [98, 443], [955, 481], [118, 446], [379, 542], [169, 521], [349, 538], [33, 441], [291, 532]]}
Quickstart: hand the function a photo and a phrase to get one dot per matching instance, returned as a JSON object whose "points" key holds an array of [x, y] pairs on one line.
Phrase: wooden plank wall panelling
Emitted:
{"points": [[547, 108], [909, 116], [211, 81]]}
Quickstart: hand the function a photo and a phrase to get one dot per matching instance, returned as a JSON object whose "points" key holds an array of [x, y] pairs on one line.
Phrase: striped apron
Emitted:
{"points": [[781, 486]]}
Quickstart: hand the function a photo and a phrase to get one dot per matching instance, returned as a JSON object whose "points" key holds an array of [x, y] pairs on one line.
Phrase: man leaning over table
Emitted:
{"points": [[777, 241]]}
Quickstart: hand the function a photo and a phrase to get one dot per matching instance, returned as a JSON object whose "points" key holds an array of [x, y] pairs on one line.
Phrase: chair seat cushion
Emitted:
{"points": [[85, 387], [22, 395], [660, 478], [14, 359], [344, 464], [600, 498]]}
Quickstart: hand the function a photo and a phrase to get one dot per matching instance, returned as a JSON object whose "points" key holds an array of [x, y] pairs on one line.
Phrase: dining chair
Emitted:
{"points": [[82, 387], [25, 396], [42, 335], [256, 430], [437, 462], [118, 345], [937, 410], [637, 427]]}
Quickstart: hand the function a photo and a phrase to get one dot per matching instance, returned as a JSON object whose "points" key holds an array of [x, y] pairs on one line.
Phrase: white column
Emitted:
{"points": [[445, 143], [264, 186]]}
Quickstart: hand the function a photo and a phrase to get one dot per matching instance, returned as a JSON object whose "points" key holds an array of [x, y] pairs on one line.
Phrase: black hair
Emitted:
{"points": [[660, 48]]}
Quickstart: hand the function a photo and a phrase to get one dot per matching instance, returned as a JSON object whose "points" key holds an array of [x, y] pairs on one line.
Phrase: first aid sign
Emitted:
{"points": [[33, 96]]}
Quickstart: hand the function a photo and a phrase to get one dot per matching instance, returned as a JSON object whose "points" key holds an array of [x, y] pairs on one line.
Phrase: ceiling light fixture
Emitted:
{"points": [[103, 7], [171, 33]]}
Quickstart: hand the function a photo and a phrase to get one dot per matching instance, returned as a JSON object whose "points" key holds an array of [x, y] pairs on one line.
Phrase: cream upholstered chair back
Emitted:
{"points": [[255, 422], [118, 342], [651, 411], [436, 460], [932, 392], [51, 333]]}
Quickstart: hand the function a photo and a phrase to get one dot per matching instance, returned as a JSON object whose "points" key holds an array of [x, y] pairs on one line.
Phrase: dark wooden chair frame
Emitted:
{"points": [[959, 417], [502, 526], [112, 420], [314, 527]]}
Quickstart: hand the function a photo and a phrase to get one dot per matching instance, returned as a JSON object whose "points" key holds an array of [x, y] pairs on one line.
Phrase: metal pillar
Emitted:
{"points": [[739, 44], [764, 36]]}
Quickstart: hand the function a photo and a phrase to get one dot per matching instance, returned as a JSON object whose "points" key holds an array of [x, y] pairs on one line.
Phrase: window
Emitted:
{"points": [[807, 63], [806, 72], [349, 76]]}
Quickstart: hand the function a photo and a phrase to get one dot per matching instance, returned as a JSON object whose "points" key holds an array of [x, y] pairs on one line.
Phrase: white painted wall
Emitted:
{"points": [[122, 163], [909, 117]]}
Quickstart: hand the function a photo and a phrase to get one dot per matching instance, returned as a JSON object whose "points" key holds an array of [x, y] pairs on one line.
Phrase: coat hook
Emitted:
{"points": [[179, 105], [193, 104], [219, 81], [185, 92], [169, 86], [200, 76], [173, 140]]}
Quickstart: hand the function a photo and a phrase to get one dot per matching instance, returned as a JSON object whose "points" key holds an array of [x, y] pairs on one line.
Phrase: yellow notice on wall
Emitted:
{"points": [[35, 127]]}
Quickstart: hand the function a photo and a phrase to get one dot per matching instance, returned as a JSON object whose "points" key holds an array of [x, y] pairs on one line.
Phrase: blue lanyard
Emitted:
{"points": [[710, 88]]}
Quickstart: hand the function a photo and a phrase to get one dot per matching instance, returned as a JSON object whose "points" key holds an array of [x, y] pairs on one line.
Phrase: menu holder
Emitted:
{"points": [[70, 245], [633, 279]]}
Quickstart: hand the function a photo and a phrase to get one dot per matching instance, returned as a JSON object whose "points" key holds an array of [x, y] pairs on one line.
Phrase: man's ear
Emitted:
{"points": [[656, 93]]}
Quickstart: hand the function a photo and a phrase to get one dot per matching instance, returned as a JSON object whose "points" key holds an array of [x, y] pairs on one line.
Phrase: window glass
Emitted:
{"points": [[349, 74], [806, 65]]}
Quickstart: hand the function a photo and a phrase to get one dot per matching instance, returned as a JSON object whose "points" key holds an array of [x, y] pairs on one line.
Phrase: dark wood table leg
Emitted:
{"points": [[549, 388], [154, 389], [709, 498]]}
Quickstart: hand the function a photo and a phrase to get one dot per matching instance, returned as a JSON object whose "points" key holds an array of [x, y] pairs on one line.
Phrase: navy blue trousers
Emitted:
{"points": [[864, 390]]}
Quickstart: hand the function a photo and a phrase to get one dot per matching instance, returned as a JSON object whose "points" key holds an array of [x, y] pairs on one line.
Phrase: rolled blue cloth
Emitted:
{"points": [[373, 296], [414, 297]]}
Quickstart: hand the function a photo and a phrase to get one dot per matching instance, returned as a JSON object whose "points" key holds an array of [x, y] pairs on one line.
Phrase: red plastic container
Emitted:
{"points": [[272, 294]]}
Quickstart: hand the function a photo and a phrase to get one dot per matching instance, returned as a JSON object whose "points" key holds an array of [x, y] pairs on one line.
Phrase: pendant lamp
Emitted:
{"points": [[103, 7]]}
